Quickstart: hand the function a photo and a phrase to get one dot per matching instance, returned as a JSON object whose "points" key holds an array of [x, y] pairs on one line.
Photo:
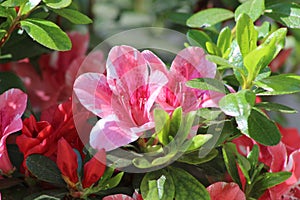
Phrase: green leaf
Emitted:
{"points": [[158, 185], [13, 3], [209, 17], [207, 84], [197, 141], [229, 155], [262, 129], [279, 84], [198, 38], [44, 169], [213, 49], [193, 158], [285, 13], [114, 181], [29, 5], [224, 40], [162, 125], [246, 34], [223, 63], [270, 106], [264, 54], [187, 186], [238, 105], [268, 180], [178, 18], [57, 4], [253, 8], [245, 166], [176, 122], [47, 33], [253, 156], [73, 16], [263, 30], [10, 80]]}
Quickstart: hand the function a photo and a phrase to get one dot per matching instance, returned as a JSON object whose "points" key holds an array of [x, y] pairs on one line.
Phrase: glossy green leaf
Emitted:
{"points": [[158, 185], [262, 129], [29, 5], [114, 181], [57, 4], [207, 84], [213, 49], [2, 33], [224, 40], [176, 122], [162, 125], [73, 16], [271, 106], [223, 63], [253, 8], [44, 169], [187, 186], [193, 158], [279, 84], [4, 11], [13, 3], [284, 12], [238, 105], [197, 141], [268, 180], [47, 33], [229, 154], [246, 34], [209, 17], [198, 38], [263, 73], [245, 166], [264, 54]]}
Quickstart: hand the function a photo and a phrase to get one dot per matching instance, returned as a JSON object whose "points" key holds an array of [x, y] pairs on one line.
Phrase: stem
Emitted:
{"points": [[9, 32]]}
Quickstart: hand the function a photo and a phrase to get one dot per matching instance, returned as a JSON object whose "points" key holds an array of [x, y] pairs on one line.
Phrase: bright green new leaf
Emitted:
{"points": [[162, 125], [253, 156], [268, 180], [197, 141], [209, 17], [198, 38], [73, 16], [158, 185], [253, 8], [262, 129], [47, 33], [44, 169], [286, 13], [246, 34], [207, 84], [213, 49], [270, 106], [245, 166], [279, 84], [187, 186], [57, 4], [29, 5], [229, 154], [175, 122], [224, 40], [263, 30], [223, 63], [2, 33], [260, 57]]}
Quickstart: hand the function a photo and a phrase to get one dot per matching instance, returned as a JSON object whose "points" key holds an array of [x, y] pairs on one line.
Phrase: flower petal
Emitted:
{"points": [[94, 93], [225, 191], [118, 197], [154, 62], [191, 63], [110, 133]]}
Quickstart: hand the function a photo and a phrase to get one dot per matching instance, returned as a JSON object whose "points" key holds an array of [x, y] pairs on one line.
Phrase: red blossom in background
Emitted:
{"points": [[225, 191], [12, 107]]}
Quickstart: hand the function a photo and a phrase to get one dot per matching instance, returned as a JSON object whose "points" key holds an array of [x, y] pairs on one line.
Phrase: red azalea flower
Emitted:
{"points": [[225, 191], [42, 137], [13, 104], [67, 163]]}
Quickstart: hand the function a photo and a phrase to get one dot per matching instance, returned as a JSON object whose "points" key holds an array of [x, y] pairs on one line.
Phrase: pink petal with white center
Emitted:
{"points": [[110, 133], [123, 59], [154, 62], [191, 63], [94, 93], [225, 191], [118, 197]]}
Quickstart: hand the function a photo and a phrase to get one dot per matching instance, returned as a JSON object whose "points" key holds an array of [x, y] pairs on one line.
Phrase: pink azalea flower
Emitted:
{"points": [[123, 99], [224, 191], [136, 196], [13, 105], [190, 63]]}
